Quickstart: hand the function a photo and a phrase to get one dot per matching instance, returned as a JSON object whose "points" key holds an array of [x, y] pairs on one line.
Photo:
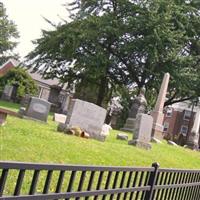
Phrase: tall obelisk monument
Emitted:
{"points": [[157, 113]]}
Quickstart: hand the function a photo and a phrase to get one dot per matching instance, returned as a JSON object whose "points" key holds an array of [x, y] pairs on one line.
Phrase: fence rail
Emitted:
{"points": [[50, 181]]}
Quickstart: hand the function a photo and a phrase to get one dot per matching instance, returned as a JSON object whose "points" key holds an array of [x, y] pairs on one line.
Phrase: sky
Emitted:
{"points": [[28, 16]]}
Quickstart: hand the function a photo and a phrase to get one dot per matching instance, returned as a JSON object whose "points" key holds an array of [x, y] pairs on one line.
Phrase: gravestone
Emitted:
{"points": [[193, 139], [143, 128], [88, 116], [157, 113], [138, 106], [38, 109], [59, 118], [7, 92]]}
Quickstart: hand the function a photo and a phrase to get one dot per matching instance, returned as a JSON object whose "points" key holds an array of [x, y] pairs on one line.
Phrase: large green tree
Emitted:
{"points": [[123, 42], [8, 35]]}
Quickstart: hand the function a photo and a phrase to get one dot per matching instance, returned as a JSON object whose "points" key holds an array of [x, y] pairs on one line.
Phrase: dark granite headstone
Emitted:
{"points": [[38, 109]]}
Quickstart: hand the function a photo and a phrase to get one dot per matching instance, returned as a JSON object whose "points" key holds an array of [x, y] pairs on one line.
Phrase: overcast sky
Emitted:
{"points": [[28, 16]]}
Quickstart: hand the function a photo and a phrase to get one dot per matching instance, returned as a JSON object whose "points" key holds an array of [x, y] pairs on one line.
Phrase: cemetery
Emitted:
{"points": [[104, 105]]}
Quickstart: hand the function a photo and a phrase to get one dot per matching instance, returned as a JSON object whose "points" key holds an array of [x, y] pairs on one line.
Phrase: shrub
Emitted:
{"points": [[18, 76]]}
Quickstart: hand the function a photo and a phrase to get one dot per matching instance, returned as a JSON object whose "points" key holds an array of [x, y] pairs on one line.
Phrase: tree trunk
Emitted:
{"points": [[102, 91]]}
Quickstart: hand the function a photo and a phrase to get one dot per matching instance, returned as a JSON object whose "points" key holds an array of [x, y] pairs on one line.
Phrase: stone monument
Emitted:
{"points": [[193, 139], [37, 109], [157, 113], [138, 106], [7, 92], [87, 116], [142, 133]]}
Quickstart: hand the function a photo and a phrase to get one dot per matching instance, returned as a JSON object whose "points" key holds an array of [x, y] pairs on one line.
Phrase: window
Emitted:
{"points": [[187, 115], [169, 112], [165, 127], [184, 130]]}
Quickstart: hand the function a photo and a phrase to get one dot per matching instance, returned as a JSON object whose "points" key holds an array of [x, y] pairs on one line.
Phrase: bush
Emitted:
{"points": [[18, 76]]}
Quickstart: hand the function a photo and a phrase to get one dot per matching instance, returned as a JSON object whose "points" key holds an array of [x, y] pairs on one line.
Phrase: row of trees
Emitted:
{"points": [[112, 45]]}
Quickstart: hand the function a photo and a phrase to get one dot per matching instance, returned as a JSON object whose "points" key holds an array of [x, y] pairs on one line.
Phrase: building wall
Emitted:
{"points": [[178, 123]]}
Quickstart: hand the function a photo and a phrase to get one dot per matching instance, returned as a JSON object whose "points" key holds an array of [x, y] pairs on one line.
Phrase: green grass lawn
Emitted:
{"points": [[31, 141]]}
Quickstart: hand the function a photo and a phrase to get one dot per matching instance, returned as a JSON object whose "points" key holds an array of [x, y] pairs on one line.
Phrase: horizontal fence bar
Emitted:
{"points": [[157, 187], [76, 194], [40, 166], [178, 170]]}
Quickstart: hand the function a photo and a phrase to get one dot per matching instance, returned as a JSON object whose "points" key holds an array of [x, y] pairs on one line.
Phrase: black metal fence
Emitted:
{"points": [[50, 181]]}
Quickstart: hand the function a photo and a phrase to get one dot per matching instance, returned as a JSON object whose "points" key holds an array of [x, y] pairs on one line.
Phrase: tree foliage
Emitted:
{"points": [[19, 77], [126, 42], [8, 35]]}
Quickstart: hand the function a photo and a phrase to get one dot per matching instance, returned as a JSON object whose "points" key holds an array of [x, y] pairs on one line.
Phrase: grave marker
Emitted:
{"points": [[38, 109], [88, 116]]}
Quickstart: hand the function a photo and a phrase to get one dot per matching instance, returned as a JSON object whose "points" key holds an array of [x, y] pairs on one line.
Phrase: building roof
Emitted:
{"points": [[185, 105], [7, 66], [37, 76]]}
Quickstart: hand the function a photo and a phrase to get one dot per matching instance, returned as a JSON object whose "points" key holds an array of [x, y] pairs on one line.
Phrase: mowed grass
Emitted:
{"points": [[32, 141]]}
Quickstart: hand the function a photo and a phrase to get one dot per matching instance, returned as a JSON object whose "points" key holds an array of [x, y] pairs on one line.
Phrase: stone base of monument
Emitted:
{"points": [[129, 125], [157, 131], [140, 144], [157, 134]]}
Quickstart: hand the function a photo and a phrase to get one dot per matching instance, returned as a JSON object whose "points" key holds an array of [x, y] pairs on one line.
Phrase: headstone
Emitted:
{"points": [[143, 128], [138, 106], [105, 129], [38, 109], [193, 139], [7, 92], [59, 118], [88, 116], [157, 113], [122, 136]]}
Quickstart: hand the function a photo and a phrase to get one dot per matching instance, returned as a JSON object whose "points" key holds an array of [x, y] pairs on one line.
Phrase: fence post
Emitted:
{"points": [[151, 182]]}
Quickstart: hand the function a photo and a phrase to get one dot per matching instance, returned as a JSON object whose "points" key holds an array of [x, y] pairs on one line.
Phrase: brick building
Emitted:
{"points": [[178, 121], [49, 89], [7, 66]]}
